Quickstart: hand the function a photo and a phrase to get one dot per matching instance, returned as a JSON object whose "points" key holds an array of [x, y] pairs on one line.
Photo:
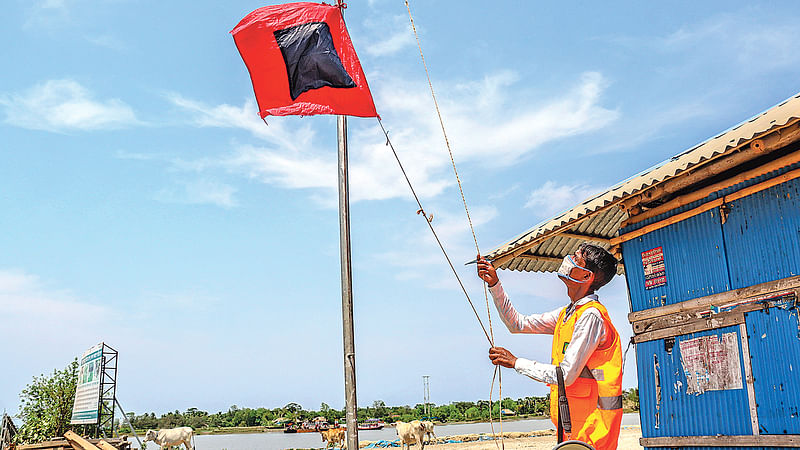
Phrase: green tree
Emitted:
{"points": [[630, 399], [380, 408], [46, 406], [472, 413]]}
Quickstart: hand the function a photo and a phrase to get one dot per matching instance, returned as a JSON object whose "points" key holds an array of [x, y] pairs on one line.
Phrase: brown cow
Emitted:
{"points": [[335, 436]]}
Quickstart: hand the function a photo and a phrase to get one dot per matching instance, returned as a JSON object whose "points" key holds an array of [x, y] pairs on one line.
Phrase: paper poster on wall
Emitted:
{"points": [[711, 363], [654, 270], [87, 393]]}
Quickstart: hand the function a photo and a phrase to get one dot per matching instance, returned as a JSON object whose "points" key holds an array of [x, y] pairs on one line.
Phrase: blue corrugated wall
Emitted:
{"points": [[694, 256], [774, 340], [759, 242], [724, 412], [762, 236]]}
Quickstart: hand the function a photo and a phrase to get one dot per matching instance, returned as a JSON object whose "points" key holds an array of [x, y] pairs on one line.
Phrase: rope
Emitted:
{"points": [[469, 219], [421, 211]]}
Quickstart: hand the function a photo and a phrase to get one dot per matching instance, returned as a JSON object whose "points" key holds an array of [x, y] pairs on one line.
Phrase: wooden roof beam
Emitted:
{"points": [[773, 140]]}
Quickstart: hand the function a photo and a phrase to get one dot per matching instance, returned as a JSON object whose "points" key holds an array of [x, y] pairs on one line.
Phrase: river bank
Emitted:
{"points": [[526, 432], [536, 440], [262, 429]]}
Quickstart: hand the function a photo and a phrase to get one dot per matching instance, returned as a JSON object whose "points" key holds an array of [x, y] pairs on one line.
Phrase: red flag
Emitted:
{"points": [[302, 62]]}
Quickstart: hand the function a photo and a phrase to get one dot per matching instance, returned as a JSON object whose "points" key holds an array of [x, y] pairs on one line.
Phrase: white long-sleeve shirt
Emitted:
{"points": [[588, 334]]}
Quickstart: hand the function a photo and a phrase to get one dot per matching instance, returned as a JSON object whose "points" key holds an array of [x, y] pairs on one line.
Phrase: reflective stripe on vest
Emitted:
{"points": [[609, 402]]}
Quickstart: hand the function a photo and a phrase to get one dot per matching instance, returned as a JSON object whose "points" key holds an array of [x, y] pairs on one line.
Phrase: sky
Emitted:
{"points": [[148, 207]]}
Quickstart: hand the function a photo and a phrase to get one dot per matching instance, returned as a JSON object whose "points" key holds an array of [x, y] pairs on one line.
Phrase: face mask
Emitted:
{"points": [[566, 268]]}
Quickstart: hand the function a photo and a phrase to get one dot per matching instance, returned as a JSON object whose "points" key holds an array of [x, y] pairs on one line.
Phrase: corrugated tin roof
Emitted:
{"points": [[598, 217]]}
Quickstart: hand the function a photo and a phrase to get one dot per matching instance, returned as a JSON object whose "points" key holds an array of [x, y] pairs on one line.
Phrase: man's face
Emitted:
{"points": [[581, 278]]}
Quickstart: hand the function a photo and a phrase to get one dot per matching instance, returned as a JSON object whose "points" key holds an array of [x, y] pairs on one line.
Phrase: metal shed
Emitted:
{"points": [[710, 244]]}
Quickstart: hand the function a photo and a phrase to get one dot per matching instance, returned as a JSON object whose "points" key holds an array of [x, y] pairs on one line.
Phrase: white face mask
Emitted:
{"points": [[566, 268]]}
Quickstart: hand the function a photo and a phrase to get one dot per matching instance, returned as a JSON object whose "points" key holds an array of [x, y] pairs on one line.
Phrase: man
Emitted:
{"points": [[585, 345]]}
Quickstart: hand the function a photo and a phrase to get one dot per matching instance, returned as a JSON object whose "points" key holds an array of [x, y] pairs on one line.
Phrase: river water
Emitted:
{"points": [[279, 440]]}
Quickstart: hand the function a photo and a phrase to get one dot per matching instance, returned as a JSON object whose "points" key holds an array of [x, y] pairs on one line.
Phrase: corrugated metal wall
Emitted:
{"points": [[758, 242], [774, 340], [673, 412], [694, 259], [762, 236]]}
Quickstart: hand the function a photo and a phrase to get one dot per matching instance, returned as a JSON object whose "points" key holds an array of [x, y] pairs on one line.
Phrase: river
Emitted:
{"points": [[279, 440]]}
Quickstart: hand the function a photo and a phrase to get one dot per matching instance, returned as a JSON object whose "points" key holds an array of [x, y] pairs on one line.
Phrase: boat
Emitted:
{"points": [[371, 424], [305, 427]]}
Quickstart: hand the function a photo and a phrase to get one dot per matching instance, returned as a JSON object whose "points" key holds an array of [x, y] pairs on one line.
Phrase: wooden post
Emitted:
{"points": [[347, 289], [78, 442]]}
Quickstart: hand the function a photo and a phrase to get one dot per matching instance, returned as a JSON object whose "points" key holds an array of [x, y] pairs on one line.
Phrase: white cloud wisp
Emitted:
{"points": [[65, 105], [488, 125]]}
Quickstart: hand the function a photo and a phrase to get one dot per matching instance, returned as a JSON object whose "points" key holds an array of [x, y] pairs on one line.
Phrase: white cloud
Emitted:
{"points": [[733, 37], [198, 192], [389, 39], [46, 13], [488, 121], [417, 256], [64, 105], [552, 198]]}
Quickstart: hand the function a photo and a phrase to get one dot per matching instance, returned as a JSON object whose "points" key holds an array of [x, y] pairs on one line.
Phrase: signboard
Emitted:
{"points": [[87, 394], [711, 363], [655, 274]]}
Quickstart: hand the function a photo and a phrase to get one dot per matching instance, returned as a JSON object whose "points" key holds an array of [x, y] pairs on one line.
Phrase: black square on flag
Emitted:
{"points": [[311, 59]]}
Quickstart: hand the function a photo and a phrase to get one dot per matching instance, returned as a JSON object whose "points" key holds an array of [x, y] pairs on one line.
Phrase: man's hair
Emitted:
{"points": [[600, 262]]}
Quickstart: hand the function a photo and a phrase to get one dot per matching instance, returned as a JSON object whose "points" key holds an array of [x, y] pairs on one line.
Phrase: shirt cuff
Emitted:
{"points": [[497, 290], [544, 373]]}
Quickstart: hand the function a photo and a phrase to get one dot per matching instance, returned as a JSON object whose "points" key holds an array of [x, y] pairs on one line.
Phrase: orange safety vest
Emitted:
{"points": [[595, 398]]}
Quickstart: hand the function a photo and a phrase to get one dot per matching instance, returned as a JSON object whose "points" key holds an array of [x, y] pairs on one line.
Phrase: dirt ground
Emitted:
{"points": [[546, 440]]}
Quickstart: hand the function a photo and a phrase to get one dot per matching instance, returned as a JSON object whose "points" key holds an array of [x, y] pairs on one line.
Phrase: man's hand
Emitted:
{"points": [[502, 357], [487, 272]]}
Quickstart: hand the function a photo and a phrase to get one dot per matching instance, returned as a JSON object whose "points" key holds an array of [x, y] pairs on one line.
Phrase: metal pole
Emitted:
{"points": [[129, 422], [347, 289]]}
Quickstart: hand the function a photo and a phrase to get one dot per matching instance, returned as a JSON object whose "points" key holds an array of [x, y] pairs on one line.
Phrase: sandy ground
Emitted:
{"points": [[544, 440]]}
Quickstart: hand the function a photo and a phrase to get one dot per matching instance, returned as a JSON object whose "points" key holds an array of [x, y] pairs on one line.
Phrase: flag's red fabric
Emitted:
{"points": [[302, 62]]}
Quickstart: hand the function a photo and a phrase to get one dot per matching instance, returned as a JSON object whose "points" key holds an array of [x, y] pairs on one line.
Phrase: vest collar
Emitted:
{"points": [[573, 305]]}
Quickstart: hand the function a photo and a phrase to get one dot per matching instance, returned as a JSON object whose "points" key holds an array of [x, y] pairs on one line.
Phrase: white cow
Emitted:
{"points": [[428, 430], [410, 433], [168, 437]]}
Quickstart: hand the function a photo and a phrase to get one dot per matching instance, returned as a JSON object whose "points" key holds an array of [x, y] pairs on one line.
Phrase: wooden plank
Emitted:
{"points": [[695, 326], [788, 176], [686, 318], [77, 442], [103, 445], [720, 299], [699, 194], [748, 375], [764, 440]]}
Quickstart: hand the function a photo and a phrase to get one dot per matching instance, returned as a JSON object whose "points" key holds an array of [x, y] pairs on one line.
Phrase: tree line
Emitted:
{"points": [[265, 417], [46, 408]]}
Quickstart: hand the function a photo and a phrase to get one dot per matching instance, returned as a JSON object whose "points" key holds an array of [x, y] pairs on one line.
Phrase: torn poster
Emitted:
{"points": [[711, 363], [655, 273]]}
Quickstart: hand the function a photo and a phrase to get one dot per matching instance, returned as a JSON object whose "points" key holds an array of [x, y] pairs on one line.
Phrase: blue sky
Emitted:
{"points": [[147, 205]]}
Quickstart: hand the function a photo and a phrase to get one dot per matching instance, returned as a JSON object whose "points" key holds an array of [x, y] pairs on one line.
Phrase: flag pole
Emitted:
{"points": [[347, 289]]}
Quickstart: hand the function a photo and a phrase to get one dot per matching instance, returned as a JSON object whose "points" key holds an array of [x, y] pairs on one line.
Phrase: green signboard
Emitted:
{"points": [[87, 394]]}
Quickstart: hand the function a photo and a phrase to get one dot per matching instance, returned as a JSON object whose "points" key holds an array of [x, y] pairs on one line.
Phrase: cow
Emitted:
{"points": [[335, 436], [410, 433], [168, 437], [429, 430]]}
